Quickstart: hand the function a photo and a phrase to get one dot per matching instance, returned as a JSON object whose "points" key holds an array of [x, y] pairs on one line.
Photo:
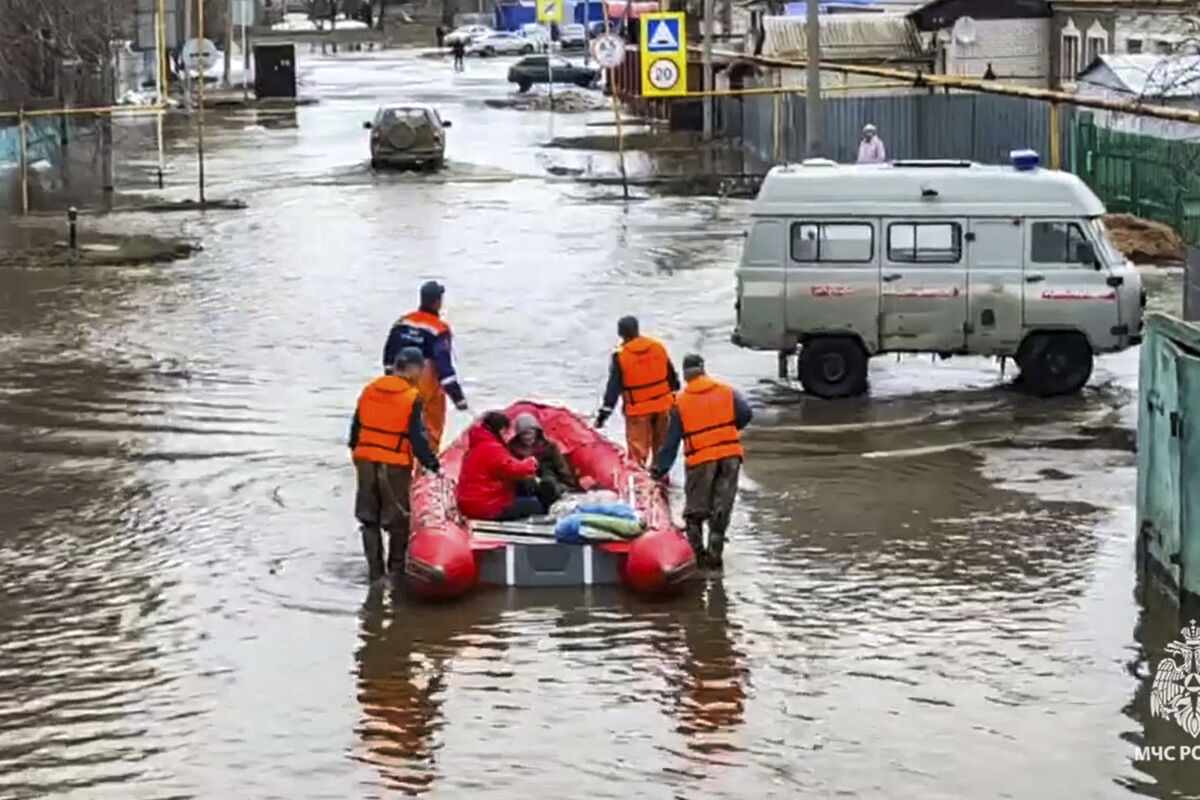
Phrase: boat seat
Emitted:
{"points": [[535, 530]]}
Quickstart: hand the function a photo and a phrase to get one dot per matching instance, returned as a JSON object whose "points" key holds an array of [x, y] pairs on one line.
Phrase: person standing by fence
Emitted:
{"points": [[871, 149]]}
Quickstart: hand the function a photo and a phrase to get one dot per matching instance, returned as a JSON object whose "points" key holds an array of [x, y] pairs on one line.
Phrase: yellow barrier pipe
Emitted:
{"points": [[982, 87]]}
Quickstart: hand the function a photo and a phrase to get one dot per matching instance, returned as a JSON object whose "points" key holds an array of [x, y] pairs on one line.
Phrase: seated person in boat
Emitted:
{"points": [[555, 476], [492, 484]]}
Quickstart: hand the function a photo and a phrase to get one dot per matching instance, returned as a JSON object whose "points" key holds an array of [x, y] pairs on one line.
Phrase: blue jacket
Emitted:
{"points": [[742, 414], [425, 331]]}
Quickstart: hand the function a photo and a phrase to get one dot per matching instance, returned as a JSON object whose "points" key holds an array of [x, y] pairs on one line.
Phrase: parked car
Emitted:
{"points": [[407, 136], [537, 35], [467, 34], [500, 43], [534, 69], [572, 37]]}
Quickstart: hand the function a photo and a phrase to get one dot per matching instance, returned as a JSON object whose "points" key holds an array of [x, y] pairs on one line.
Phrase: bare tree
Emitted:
{"points": [[41, 40]]}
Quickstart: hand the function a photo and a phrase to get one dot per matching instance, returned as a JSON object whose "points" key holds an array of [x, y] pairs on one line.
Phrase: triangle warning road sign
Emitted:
{"points": [[663, 38]]}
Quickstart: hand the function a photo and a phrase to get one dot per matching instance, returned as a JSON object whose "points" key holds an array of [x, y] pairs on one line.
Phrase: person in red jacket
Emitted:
{"points": [[492, 484]]}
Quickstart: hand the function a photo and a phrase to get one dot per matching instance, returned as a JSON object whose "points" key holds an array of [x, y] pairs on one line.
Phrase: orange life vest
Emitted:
{"points": [[384, 411], [707, 413], [426, 321], [644, 368]]}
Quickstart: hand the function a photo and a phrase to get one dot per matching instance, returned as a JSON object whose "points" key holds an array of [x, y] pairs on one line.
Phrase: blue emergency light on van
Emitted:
{"points": [[1024, 160]]}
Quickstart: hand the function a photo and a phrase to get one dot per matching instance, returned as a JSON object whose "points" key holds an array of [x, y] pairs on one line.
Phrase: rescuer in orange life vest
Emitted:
{"points": [[425, 330], [642, 375], [706, 420], [387, 433]]}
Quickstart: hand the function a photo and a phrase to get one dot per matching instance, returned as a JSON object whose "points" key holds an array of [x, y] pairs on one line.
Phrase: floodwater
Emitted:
{"points": [[929, 592]]}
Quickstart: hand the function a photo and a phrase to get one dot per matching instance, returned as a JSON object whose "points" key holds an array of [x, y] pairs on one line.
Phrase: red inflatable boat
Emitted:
{"points": [[449, 555]]}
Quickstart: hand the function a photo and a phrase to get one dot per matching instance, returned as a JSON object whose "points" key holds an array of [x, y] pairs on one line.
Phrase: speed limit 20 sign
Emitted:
{"points": [[664, 54]]}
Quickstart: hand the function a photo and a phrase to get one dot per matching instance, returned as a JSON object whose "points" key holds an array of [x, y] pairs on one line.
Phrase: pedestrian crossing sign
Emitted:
{"points": [[549, 10], [664, 36], [664, 54]]}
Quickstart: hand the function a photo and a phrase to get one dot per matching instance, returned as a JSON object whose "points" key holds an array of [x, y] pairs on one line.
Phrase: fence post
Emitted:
{"points": [[1055, 144], [777, 128], [24, 160]]}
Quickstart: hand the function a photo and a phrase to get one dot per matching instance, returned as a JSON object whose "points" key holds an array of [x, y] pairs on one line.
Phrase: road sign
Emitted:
{"points": [[609, 50], [664, 54], [549, 10]]}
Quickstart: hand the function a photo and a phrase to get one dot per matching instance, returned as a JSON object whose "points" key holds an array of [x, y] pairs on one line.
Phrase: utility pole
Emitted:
{"points": [[203, 68], [229, 45], [814, 123], [709, 13], [108, 84], [187, 69]]}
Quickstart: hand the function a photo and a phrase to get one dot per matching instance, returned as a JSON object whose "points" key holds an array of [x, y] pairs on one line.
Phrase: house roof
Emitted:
{"points": [[938, 14], [845, 37], [1144, 74]]}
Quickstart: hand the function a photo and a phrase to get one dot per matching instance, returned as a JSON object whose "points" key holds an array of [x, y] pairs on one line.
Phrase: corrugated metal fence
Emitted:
{"points": [[983, 128]]}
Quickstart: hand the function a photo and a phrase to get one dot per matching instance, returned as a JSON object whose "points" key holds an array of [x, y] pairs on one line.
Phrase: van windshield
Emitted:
{"points": [[1108, 250]]}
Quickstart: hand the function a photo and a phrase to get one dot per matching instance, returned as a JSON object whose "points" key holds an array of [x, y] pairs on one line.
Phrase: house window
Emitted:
{"points": [[1097, 46], [1070, 56], [842, 242], [1163, 47], [1133, 46], [924, 243]]}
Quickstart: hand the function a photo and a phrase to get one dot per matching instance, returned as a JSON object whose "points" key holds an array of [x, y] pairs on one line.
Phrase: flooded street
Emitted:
{"points": [[928, 593]]}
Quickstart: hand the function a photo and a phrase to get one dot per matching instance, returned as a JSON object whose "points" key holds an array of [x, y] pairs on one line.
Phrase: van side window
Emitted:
{"points": [[924, 242], [1055, 243], [840, 242]]}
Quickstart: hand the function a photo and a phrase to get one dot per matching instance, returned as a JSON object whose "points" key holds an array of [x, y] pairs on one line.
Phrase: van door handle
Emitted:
{"points": [[1034, 278], [895, 276]]}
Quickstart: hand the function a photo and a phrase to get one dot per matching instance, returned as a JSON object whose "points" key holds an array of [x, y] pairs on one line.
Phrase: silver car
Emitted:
{"points": [[500, 43]]}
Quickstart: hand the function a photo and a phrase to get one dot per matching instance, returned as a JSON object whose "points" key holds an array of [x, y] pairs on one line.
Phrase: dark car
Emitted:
{"points": [[407, 136], [534, 69]]}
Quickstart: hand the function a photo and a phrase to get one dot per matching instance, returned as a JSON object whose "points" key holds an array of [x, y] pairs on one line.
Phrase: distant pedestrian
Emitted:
{"points": [[870, 149], [440, 33], [460, 50]]}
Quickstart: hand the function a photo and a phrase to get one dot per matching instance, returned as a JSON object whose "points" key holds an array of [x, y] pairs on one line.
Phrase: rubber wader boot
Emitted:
{"points": [[695, 537], [372, 540], [397, 550], [716, 547]]}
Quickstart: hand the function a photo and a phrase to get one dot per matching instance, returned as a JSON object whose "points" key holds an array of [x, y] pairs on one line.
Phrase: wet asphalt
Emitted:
{"points": [[929, 592]]}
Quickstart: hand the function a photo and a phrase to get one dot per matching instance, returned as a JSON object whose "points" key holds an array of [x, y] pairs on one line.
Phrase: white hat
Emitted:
{"points": [[870, 127]]}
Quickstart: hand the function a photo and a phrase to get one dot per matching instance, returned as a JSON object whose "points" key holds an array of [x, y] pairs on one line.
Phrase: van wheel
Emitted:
{"points": [[833, 366], [1055, 363]]}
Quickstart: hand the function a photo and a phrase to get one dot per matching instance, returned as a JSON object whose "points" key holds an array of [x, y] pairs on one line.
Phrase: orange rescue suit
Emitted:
{"points": [[706, 411], [644, 369], [384, 412]]}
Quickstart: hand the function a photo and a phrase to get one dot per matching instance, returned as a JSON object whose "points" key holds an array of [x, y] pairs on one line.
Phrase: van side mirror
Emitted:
{"points": [[1085, 253], [367, 126], [447, 123]]}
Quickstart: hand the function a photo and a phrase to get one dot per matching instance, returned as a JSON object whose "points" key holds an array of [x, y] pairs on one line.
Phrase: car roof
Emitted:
{"points": [[407, 107]]}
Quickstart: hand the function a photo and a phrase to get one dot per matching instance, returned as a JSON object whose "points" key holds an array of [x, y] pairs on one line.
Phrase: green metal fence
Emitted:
{"points": [[1169, 452], [1153, 178]]}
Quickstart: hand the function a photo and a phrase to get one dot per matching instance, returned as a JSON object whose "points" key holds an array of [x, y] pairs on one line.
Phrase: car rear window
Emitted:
{"points": [[405, 114]]}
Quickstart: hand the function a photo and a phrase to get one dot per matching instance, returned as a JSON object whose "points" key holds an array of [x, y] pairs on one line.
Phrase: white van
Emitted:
{"points": [[846, 262]]}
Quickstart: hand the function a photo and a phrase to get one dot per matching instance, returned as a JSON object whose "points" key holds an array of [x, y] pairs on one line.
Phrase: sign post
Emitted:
{"points": [[664, 54], [550, 12]]}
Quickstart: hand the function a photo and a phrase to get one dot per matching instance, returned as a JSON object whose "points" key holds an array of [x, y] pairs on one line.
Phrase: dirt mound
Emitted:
{"points": [[1144, 241], [568, 100]]}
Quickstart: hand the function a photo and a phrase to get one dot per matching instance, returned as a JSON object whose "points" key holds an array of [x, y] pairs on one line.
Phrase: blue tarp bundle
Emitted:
{"points": [[598, 522]]}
